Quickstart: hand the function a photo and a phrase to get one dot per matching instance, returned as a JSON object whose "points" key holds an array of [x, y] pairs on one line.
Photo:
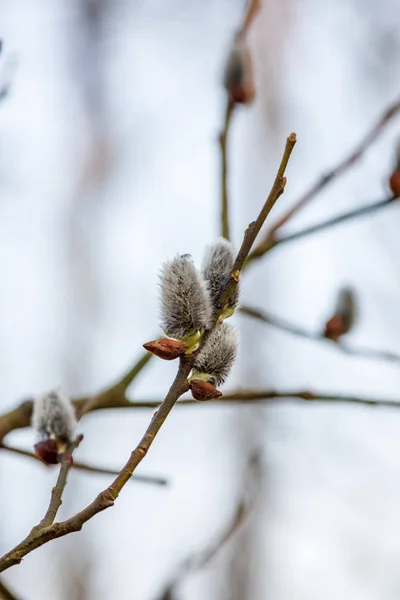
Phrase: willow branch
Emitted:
{"points": [[293, 329], [58, 489], [223, 142], [42, 534], [252, 9], [79, 466], [268, 239], [6, 593], [262, 248], [254, 227]]}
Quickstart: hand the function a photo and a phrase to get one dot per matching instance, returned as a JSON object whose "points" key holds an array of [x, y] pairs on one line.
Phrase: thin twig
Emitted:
{"points": [[6, 593], [76, 465], [58, 489], [293, 329], [252, 9], [43, 534], [267, 242], [266, 246], [223, 142], [254, 228]]}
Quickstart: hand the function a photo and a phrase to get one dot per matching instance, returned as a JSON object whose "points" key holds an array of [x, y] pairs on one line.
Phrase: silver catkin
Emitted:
{"points": [[216, 270], [218, 354], [54, 417], [346, 307], [185, 301]]}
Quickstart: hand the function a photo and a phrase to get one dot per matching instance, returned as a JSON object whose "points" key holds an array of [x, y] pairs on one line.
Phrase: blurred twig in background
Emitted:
{"points": [[6, 593]]}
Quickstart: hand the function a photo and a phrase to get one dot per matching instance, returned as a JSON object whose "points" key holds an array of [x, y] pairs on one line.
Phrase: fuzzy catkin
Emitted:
{"points": [[216, 270], [54, 417], [346, 307], [218, 354], [185, 302]]}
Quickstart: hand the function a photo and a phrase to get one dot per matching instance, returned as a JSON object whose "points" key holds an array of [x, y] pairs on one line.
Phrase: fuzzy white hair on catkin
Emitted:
{"points": [[218, 354], [216, 269], [185, 302], [54, 416]]}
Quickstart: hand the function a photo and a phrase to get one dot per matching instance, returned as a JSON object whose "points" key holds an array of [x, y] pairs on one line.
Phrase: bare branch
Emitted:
{"points": [[268, 240], [293, 329], [79, 466], [266, 246]]}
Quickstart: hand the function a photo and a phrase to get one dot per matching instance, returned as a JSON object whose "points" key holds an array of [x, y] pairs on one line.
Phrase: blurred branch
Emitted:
{"points": [[115, 395], [252, 9], [261, 249], [293, 329], [90, 468], [200, 560], [268, 240], [48, 530], [223, 139], [6, 593]]}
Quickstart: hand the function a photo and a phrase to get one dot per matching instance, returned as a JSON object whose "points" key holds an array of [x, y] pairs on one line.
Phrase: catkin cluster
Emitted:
{"points": [[190, 307]]}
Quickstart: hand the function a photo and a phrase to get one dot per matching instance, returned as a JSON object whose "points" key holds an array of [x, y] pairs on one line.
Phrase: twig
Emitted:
{"points": [[151, 479], [43, 534], [223, 141], [293, 329], [266, 246], [268, 239], [58, 489], [6, 593], [254, 228]]}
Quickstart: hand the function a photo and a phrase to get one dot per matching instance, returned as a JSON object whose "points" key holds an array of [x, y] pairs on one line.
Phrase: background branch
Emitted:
{"points": [[80, 466], [223, 142], [268, 240], [293, 329]]}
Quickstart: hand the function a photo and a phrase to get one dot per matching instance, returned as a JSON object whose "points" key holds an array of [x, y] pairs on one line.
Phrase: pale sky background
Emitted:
{"points": [[79, 260]]}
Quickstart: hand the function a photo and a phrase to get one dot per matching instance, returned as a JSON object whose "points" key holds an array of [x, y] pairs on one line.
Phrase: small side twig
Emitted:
{"points": [[79, 466], [267, 242], [58, 489], [283, 325], [272, 243]]}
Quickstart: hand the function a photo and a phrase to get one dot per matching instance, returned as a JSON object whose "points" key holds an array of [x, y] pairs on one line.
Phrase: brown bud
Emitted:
{"points": [[394, 183], [47, 451], [203, 390], [238, 76], [166, 348], [334, 328]]}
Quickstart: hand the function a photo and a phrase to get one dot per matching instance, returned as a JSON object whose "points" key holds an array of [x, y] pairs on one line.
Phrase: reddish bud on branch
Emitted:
{"points": [[166, 348], [203, 390]]}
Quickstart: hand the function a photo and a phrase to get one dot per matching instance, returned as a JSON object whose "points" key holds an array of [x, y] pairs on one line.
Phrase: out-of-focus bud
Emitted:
{"points": [[216, 269], [215, 359], [394, 179], [166, 348], [238, 74], [344, 316], [54, 419], [186, 309], [203, 390], [47, 451]]}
